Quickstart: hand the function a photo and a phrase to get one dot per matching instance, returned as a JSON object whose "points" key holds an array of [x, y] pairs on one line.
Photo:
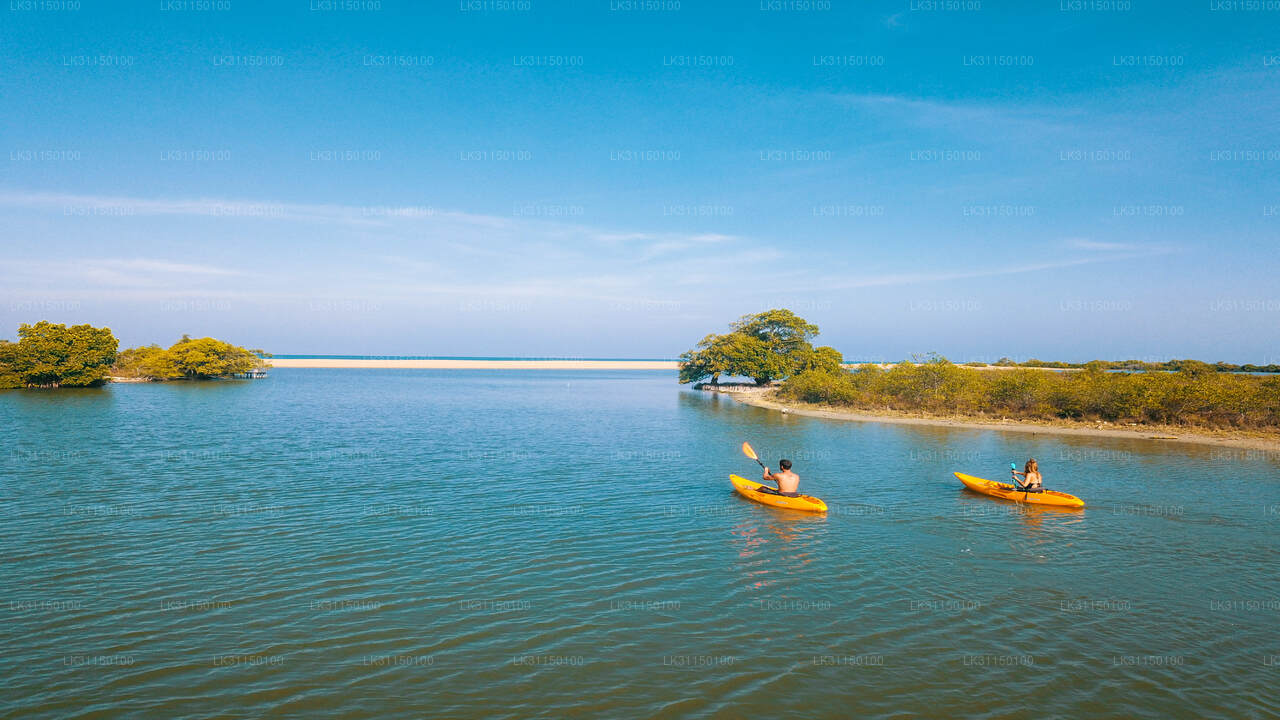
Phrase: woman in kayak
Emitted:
{"points": [[788, 482], [1032, 482]]}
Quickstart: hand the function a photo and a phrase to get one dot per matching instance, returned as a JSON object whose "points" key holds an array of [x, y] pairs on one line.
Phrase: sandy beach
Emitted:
{"points": [[767, 398], [445, 364]]}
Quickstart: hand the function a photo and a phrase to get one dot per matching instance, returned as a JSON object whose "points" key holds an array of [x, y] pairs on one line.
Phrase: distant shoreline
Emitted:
{"points": [[459, 364], [767, 398]]}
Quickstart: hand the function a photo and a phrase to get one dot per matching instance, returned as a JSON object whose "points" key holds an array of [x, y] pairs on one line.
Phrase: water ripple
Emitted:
{"points": [[410, 543]]}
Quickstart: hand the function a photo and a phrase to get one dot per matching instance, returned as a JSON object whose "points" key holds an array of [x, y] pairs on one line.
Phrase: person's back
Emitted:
{"points": [[788, 482], [1031, 478]]}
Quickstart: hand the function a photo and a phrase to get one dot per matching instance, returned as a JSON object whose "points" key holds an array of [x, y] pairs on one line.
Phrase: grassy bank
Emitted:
{"points": [[1197, 396]]}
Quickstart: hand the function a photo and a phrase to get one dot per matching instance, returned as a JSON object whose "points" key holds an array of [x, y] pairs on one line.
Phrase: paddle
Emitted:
{"points": [[751, 453], [1016, 484]]}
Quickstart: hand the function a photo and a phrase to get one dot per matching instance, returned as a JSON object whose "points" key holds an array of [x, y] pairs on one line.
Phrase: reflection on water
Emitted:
{"points": [[508, 544]]}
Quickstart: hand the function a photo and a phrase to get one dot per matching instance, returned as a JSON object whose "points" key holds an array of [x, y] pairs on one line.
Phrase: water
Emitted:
{"points": [[364, 543]]}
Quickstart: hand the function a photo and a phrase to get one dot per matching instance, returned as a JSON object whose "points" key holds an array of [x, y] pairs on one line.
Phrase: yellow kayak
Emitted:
{"points": [[1007, 491], [751, 489]]}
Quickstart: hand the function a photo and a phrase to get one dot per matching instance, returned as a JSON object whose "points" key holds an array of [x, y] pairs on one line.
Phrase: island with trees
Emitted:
{"points": [[188, 359], [51, 355], [773, 350]]}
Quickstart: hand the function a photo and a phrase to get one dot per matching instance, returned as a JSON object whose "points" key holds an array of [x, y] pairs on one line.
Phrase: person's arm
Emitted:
{"points": [[770, 477], [1015, 475]]}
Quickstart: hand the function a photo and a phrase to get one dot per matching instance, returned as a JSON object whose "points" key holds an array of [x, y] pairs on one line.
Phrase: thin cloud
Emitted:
{"points": [[952, 114], [75, 204], [1086, 244], [164, 266], [525, 258], [115, 273], [415, 218], [1111, 252], [931, 277]]}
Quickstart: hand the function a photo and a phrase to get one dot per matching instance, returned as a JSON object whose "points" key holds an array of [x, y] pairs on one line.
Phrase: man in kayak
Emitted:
{"points": [[788, 482], [1031, 482]]}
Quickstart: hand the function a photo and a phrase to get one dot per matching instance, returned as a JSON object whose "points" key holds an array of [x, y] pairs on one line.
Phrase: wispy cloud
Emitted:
{"points": [[77, 204], [961, 115], [1110, 252], [148, 265], [913, 278], [1087, 244], [379, 251], [648, 245], [113, 275]]}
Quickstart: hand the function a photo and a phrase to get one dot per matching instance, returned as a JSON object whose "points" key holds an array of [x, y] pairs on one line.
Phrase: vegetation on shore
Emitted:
{"points": [[775, 345], [1197, 395], [187, 359], [51, 355], [767, 346], [1132, 365]]}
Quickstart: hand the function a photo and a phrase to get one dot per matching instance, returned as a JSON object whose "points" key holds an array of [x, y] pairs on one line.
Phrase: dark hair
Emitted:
{"points": [[784, 464]]}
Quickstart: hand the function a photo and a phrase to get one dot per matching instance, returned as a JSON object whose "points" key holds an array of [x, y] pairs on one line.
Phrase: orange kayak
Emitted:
{"points": [[1007, 491], [751, 489]]}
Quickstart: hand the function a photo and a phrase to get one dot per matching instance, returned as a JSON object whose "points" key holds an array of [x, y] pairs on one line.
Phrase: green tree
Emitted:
{"points": [[765, 347], [782, 330], [823, 359], [752, 357], [736, 354], [204, 358], [1195, 369], [54, 355], [9, 377], [712, 358], [150, 361]]}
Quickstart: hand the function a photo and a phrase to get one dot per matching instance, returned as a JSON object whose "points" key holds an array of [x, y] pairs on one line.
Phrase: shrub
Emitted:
{"points": [[1195, 395]]}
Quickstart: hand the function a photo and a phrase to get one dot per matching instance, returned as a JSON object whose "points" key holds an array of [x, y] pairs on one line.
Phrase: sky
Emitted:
{"points": [[1062, 180]]}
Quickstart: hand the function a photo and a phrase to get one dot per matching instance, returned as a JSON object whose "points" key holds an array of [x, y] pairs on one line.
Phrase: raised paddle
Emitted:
{"points": [[1013, 467], [751, 453]]}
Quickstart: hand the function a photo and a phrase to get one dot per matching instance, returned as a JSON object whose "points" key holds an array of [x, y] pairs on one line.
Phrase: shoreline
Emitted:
{"points": [[766, 398], [442, 364]]}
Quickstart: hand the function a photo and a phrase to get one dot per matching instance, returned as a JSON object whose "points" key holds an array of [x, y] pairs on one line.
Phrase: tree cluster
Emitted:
{"points": [[187, 359], [50, 355], [53, 355], [767, 346]]}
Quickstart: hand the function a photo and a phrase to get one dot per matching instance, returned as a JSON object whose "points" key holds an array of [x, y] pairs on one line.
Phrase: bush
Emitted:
{"points": [[53, 355], [9, 377], [150, 361], [1196, 395], [197, 359]]}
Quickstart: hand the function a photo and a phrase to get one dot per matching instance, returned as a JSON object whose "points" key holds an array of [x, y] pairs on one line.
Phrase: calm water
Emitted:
{"points": [[362, 543]]}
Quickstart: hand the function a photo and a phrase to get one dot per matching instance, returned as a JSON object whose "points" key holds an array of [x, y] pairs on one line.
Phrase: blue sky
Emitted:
{"points": [[609, 179]]}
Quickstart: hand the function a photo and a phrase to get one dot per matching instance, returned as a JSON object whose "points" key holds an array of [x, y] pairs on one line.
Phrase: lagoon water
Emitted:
{"points": [[366, 543]]}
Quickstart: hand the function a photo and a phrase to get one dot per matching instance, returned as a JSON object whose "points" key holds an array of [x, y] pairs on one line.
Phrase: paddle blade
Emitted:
{"points": [[1013, 466], [749, 452]]}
